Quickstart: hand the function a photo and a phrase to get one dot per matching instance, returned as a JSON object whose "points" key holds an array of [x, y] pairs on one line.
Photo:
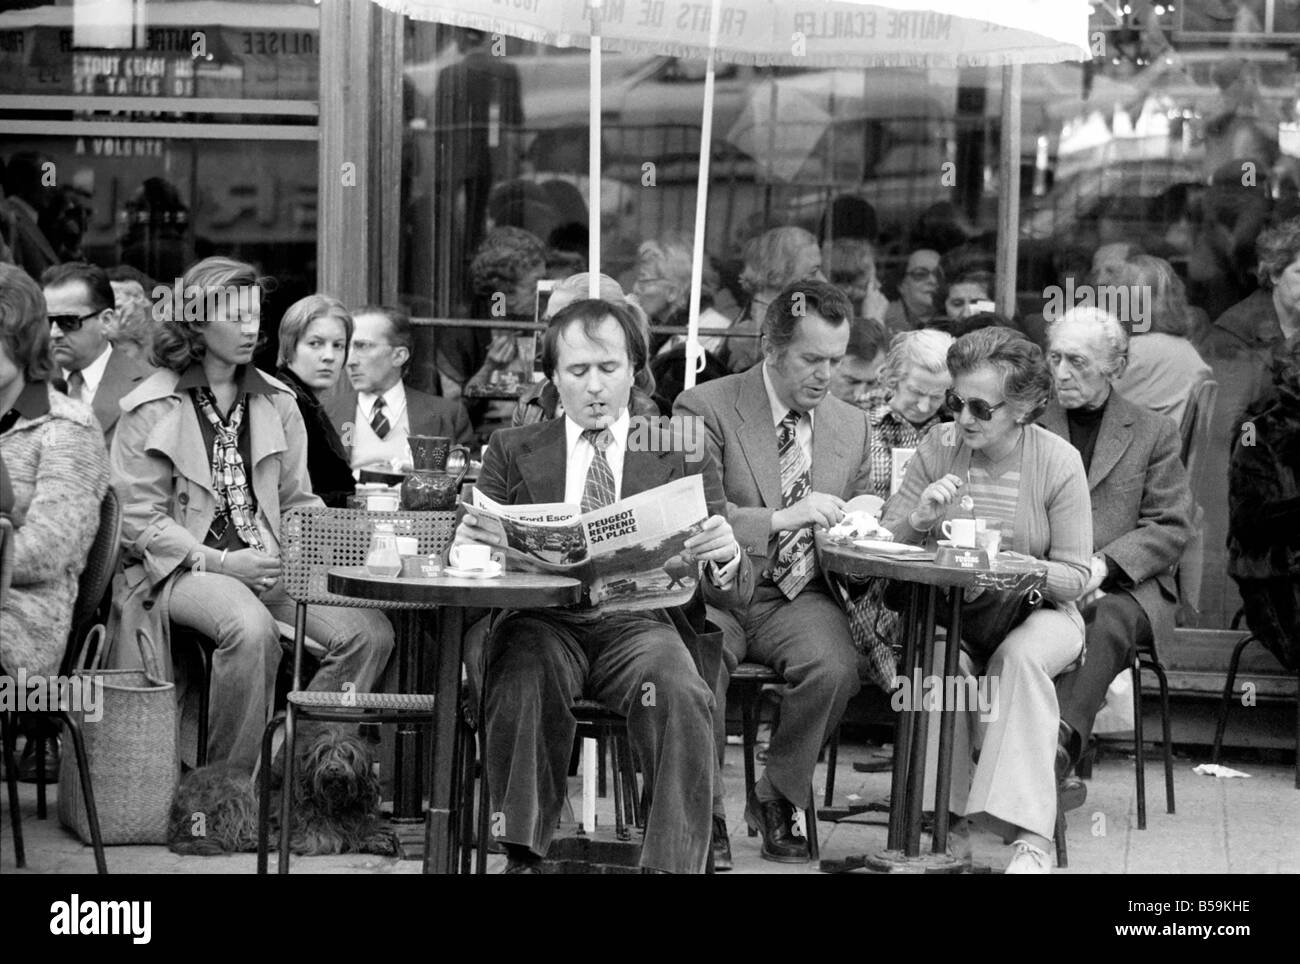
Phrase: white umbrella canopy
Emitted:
{"points": [[807, 33]]}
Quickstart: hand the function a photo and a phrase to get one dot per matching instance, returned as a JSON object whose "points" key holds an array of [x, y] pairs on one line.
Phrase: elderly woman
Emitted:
{"points": [[131, 327], [541, 401], [209, 455], [53, 452], [915, 305], [1030, 483], [1264, 512], [663, 290], [916, 378], [774, 260], [1163, 367], [314, 335]]}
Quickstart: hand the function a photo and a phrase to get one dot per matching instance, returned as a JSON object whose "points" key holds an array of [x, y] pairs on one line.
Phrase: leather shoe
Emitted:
{"points": [[1072, 793], [721, 845], [774, 822], [27, 769]]}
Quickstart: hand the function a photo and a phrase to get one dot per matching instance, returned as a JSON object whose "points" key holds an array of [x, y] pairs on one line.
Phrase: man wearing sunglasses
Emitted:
{"points": [[1141, 516], [80, 305], [791, 454]]}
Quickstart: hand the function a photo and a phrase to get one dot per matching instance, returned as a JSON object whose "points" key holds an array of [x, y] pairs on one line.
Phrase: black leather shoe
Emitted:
{"points": [[721, 845], [27, 768], [774, 822], [1072, 793]]}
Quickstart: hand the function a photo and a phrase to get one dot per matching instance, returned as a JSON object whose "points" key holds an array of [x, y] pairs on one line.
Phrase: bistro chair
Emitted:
{"points": [[314, 540], [1228, 697], [90, 608], [749, 679], [6, 732]]}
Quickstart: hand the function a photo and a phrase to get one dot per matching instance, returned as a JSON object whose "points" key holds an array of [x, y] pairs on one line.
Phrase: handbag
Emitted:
{"points": [[131, 749], [985, 620]]}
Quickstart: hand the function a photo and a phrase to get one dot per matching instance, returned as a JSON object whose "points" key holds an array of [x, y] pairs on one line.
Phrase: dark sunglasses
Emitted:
{"points": [[981, 409], [71, 323]]}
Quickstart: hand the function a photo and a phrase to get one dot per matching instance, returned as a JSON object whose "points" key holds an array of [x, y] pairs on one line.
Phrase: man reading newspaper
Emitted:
{"points": [[538, 662]]}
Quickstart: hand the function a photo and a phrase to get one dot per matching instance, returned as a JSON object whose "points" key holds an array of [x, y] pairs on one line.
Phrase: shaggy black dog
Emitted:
{"points": [[335, 805]]}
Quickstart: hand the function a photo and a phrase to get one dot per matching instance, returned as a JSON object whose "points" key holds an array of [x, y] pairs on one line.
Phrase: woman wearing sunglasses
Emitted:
{"points": [[995, 464]]}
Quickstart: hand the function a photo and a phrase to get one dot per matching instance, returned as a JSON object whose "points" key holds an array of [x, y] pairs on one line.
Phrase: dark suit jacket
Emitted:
{"points": [[741, 438], [427, 414], [122, 374], [28, 246], [527, 465], [1141, 503]]}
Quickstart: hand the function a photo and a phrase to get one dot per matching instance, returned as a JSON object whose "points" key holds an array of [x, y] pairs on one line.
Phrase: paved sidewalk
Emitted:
{"points": [[1247, 826]]}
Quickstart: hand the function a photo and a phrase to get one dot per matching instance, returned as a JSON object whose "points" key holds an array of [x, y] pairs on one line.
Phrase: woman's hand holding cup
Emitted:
{"points": [[935, 499]]}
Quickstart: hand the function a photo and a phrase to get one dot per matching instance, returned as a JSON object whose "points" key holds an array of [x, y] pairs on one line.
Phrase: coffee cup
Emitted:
{"points": [[407, 545], [961, 532], [468, 555], [381, 503]]}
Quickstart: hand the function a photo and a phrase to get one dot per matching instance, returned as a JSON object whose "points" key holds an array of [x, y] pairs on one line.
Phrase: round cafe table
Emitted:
{"points": [[450, 595], [841, 560]]}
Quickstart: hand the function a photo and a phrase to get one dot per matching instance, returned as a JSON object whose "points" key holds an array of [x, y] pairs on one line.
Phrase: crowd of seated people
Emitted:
{"points": [[836, 383]]}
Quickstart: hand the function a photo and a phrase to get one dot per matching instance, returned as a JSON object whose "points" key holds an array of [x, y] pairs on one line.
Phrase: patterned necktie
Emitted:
{"points": [[378, 420], [598, 491], [795, 559], [77, 386], [228, 472]]}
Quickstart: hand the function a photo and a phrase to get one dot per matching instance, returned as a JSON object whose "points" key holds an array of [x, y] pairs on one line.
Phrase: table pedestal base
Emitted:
{"points": [[593, 853]]}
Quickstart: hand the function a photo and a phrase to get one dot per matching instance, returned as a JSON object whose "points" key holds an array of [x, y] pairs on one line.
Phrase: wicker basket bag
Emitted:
{"points": [[131, 747]]}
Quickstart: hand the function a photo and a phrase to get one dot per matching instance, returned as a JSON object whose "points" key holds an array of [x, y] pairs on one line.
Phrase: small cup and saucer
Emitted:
{"points": [[468, 561]]}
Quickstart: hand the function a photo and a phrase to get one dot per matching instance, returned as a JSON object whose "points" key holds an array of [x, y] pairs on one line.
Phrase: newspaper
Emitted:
{"points": [[900, 457], [628, 554]]}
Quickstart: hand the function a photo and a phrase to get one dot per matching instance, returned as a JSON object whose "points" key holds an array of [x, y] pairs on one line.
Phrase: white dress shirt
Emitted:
{"points": [[92, 374], [580, 453], [369, 451], [803, 430]]}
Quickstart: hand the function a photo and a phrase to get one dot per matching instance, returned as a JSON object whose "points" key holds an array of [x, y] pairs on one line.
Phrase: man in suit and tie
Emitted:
{"points": [[1141, 515], [791, 455], [539, 662], [375, 412], [80, 303]]}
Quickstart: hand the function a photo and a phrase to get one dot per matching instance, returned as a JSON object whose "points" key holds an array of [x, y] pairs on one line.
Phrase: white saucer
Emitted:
{"points": [[879, 545], [493, 569]]}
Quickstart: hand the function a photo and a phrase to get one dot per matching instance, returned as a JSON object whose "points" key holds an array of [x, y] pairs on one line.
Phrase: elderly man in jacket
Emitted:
{"points": [[1141, 513]]}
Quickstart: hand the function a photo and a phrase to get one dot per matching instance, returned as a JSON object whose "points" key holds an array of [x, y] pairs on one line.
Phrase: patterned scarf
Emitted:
{"points": [[228, 473]]}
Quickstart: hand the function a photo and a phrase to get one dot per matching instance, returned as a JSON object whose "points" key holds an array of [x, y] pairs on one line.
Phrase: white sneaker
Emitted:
{"points": [[1028, 859]]}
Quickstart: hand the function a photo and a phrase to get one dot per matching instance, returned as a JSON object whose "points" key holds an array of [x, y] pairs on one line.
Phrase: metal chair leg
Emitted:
{"points": [[749, 735], [1228, 687], [87, 792], [40, 773], [810, 826], [1138, 762], [602, 740], [620, 815], [264, 795], [1167, 728], [286, 789], [1062, 854], [7, 740], [205, 697], [634, 814], [832, 759]]}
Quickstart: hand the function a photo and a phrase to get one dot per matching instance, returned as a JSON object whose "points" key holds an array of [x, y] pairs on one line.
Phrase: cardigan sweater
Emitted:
{"points": [[1053, 516]]}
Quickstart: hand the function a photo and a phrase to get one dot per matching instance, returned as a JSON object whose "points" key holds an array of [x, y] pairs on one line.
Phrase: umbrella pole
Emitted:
{"points": [[694, 354], [593, 157], [1009, 192]]}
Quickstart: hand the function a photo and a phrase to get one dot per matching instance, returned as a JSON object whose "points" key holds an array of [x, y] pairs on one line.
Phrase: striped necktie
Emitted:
{"points": [[378, 420], [598, 491], [796, 561]]}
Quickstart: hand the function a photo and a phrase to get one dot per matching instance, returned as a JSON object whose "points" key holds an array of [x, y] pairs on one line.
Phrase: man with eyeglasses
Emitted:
{"points": [[915, 305], [79, 302], [1141, 517], [374, 411]]}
